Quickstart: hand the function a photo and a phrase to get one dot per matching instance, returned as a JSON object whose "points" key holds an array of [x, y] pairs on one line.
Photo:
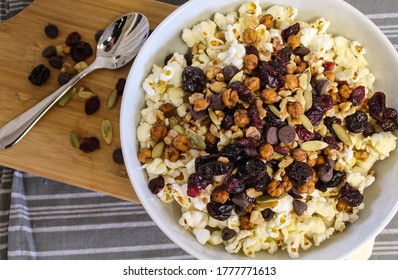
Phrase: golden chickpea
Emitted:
{"points": [[168, 110], [275, 189], [171, 154], [291, 82], [144, 155], [295, 109], [250, 61], [181, 143], [253, 83], [299, 155], [266, 151], [293, 41], [267, 20], [210, 138], [249, 36], [269, 96], [241, 118], [158, 132], [345, 91], [200, 105], [220, 195], [245, 222], [329, 75], [230, 98], [320, 160], [301, 67]]}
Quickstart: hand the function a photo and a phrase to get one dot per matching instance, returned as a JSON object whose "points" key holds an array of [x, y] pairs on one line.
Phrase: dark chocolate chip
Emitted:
{"points": [[271, 135], [286, 134]]}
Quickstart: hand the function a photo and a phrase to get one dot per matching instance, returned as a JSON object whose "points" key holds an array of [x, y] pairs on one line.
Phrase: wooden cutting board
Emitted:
{"points": [[46, 150]]}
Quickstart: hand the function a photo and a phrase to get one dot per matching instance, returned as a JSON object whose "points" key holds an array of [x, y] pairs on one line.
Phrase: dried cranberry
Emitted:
{"points": [[357, 96], [329, 66], [227, 122], [388, 124], [156, 185], [244, 92], [229, 72], [92, 105], [196, 183], [39, 75], [281, 150], [272, 120], [267, 214], [315, 115], [356, 123], [219, 211], [80, 51], [215, 168], [299, 173], [232, 185], [254, 117], [291, 30], [89, 144], [227, 234], [377, 105], [248, 143], [120, 86], [325, 102], [51, 30], [350, 196], [193, 79], [49, 52], [332, 142], [390, 113], [303, 133], [251, 50], [72, 39], [299, 207]]}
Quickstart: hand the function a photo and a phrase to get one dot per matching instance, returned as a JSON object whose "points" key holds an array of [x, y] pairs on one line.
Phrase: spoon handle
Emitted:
{"points": [[17, 128]]}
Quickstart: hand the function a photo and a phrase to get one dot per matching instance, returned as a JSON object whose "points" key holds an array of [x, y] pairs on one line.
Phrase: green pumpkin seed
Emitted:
{"points": [[179, 129], [342, 134], [107, 131], [157, 151], [173, 122], [67, 97], [275, 110], [237, 78], [306, 123], [277, 156], [74, 139], [314, 145], [214, 118], [196, 140], [308, 100], [112, 99]]}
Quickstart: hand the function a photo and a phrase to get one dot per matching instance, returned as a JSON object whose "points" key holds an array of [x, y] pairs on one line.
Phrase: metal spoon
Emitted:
{"points": [[118, 45]]}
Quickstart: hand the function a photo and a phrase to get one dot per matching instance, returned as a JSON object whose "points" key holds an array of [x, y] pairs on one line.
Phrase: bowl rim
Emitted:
{"points": [[123, 126]]}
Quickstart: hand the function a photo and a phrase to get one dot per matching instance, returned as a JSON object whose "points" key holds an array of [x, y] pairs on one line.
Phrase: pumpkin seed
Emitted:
{"points": [[306, 123], [308, 100], [342, 134], [74, 139], [179, 129], [196, 140], [270, 171], [157, 151], [107, 132], [214, 118], [308, 73], [314, 145], [112, 99], [275, 110], [173, 122], [237, 78], [67, 97], [277, 156]]}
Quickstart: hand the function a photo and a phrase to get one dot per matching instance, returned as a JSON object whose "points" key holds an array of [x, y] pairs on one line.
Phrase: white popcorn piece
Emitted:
{"points": [[156, 167], [143, 132], [235, 244], [252, 245], [216, 238], [251, 8], [165, 194], [234, 55], [202, 235], [180, 194], [384, 143], [176, 96], [194, 219], [233, 32]]}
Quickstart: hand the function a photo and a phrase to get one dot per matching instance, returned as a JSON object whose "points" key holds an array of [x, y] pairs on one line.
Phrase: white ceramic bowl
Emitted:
{"points": [[381, 199]]}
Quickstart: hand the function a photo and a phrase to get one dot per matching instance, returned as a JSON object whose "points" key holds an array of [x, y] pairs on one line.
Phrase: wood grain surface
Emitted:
{"points": [[46, 150]]}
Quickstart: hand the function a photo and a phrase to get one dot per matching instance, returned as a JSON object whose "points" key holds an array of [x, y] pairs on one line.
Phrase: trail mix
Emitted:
{"points": [[265, 132]]}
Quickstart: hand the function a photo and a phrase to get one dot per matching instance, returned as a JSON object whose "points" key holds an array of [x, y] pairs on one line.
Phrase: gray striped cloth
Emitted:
{"points": [[44, 219]]}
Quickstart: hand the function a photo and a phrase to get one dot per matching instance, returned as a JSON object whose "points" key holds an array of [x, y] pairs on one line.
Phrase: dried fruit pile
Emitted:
{"points": [[266, 132]]}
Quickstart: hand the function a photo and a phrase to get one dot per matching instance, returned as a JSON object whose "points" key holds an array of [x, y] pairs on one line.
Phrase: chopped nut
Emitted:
{"points": [[249, 36], [291, 68], [80, 66], [200, 104], [295, 109], [218, 87], [266, 151], [210, 138], [308, 188], [341, 206], [252, 132], [158, 132], [291, 82], [171, 154], [250, 62], [299, 154], [301, 67], [293, 41], [345, 91], [267, 20], [245, 222], [311, 162], [335, 97], [241, 118], [253, 83], [144, 155], [181, 143], [230, 98], [276, 188], [220, 195], [68, 69], [269, 96], [320, 160], [168, 110], [259, 106], [211, 72]]}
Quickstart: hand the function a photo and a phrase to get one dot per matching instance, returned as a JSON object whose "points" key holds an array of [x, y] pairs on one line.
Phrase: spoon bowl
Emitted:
{"points": [[117, 46]]}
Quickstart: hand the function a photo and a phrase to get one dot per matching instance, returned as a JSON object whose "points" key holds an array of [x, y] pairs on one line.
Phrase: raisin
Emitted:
{"points": [[196, 183], [156, 185], [72, 39], [357, 96], [211, 148], [51, 30], [193, 79], [89, 144], [227, 234], [250, 170], [356, 123], [232, 185], [201, 160], [39, 75], [229, 72], [215, 168], [315, 115], [227, 122], [63, 78], [272, 120], [168, 57], [120, 86], [303, 133], [388, 124], [49, 52], [299, 173], [188, 57], [56, 62], [291, 30], [249, 143], [390, 113], [98, 35], [350, 196], [117, 156], [329, 121], [377, 105], [92, 105], [219, 211], [244, 92], [332, 142], [80, 51], [251, 50]]}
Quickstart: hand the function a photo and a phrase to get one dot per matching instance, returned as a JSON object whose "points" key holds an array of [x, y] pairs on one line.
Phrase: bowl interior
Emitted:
{"points": [[380, 199]]}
